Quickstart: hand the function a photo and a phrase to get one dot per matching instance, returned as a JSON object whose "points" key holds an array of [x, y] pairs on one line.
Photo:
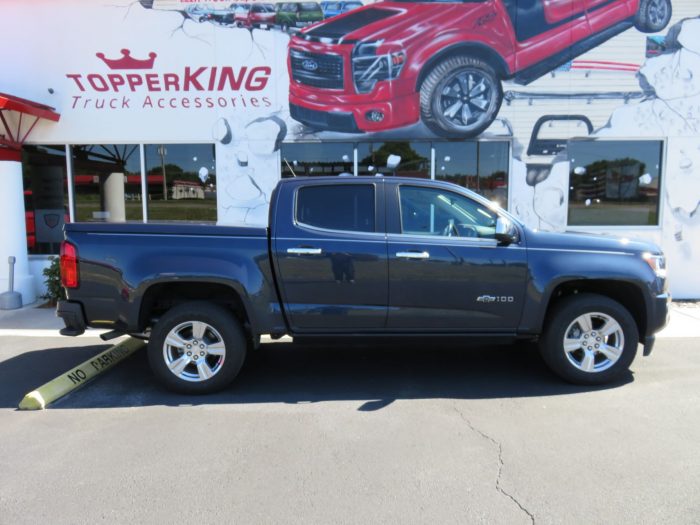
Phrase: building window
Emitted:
{"points": [[480, 166], [316, 159], [403, 159], [339, 207], [181, 181], [45, 197], [614, 183], [107, 182]]}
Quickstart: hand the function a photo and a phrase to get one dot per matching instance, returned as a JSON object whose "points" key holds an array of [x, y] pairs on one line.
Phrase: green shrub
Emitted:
{"points": [[52, 279]]}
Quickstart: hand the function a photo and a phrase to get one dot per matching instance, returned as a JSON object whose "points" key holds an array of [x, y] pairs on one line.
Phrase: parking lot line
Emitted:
{"points": [[78, 376]]}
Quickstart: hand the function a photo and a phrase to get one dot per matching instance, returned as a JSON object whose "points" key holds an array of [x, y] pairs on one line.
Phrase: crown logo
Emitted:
{"points": [[127, 62]]}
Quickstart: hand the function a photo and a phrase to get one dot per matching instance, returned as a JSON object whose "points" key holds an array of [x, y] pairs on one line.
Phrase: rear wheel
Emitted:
{"points": [[653, 15], [197, 348], [460, 97], [589, 339]]}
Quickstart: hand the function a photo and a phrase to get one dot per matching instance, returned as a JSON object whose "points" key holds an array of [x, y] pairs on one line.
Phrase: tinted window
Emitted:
{"points": [[307, 6], [614, 182], [337, 207], [427, 211]]}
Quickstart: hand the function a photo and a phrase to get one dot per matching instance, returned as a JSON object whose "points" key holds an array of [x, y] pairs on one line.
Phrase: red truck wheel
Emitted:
{"points": [[460, 97], [653, 15]]}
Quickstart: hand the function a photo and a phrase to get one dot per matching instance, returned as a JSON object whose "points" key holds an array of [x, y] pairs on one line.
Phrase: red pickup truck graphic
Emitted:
{"points": [[393, 63]]}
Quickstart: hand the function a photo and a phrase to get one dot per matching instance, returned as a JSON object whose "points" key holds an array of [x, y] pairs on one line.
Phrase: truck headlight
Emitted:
{"points": [[368, 67], [656, 262]]}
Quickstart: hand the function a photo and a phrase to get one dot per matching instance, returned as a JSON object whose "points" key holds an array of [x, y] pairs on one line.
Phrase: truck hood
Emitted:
{"points": [[588, 242], [392, 21]]}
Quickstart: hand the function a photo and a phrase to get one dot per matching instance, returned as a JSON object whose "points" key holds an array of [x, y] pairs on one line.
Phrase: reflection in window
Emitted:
{"points": [[45, 197], [427, 211], [339, 207], [107, 182], [314, 159], [614, 182], [181, 181], [403, 159], [480, 166]]}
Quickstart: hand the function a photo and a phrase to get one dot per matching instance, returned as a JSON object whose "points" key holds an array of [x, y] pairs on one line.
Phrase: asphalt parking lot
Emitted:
{"points": [[400, 434]]}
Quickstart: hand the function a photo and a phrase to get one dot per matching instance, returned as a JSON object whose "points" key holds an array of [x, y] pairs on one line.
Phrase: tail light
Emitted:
{"points": [[69, 265]]}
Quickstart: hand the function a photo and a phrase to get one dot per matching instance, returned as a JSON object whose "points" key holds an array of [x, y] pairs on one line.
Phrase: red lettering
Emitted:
{"points": [[171, 80], [134, 80], [97, 86], [227, 75], [212, 78], [257, 80], [76, 78], [116, 81], [191, 79], [153, 82]]}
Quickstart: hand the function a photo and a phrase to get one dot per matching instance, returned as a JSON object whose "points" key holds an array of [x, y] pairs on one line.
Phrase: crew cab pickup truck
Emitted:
{"points": [[362, 257], [393, 63]]}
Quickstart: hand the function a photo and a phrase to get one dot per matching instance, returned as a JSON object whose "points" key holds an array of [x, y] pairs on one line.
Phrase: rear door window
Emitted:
{"points": [[345, 207]]}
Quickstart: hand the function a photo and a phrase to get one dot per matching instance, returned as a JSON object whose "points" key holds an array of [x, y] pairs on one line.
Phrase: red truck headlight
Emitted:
{"points": [[369, 67], [69, 265]]}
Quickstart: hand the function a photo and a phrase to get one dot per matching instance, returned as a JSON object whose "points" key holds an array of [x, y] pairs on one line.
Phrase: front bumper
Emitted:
{"points": [[657, 319], [73, 317], [351, 116]]}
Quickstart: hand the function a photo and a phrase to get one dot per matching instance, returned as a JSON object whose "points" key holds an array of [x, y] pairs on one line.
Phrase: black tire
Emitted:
{"points": [[455, 71], [653, 15], [568, 365], [222, 325]]}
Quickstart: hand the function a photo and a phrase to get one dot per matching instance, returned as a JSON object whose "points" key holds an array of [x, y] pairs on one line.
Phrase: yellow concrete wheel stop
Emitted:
{"points": [[76, 377]]}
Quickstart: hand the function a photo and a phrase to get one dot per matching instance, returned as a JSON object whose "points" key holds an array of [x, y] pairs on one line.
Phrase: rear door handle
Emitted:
{"points": [[305, 251], [413, 255]]}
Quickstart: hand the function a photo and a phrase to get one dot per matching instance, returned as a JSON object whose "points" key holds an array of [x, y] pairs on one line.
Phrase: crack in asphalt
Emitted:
{"points": [[499, 447]]}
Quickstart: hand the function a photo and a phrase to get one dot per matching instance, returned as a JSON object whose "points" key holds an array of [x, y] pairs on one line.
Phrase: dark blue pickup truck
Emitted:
{"points": [[362, 257]]}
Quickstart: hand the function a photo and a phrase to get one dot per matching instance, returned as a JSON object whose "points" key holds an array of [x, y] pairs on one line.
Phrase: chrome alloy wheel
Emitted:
{"points": [[593, 342], [466, 99], [657, 11], [194, 351]]}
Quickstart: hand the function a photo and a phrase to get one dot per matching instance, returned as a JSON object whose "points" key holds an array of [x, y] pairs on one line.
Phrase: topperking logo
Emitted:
{"points": [[131, 83]]}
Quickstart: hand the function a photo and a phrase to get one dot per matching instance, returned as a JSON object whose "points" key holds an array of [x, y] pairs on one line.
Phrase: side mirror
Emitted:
{"points": [[506, 232]]}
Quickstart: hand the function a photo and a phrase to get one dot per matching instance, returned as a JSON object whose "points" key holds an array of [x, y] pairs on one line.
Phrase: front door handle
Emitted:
{"points": [[413, 255], [305, 251]]}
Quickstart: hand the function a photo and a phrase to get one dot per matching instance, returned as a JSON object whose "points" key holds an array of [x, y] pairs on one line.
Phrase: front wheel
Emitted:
{"points": [[589, 339], [653, 15], [460, 97], [197, 348]]}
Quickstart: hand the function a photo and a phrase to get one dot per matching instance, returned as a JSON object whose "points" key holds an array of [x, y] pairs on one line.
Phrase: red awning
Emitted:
{"points": [[14, 136], [21, 105]]}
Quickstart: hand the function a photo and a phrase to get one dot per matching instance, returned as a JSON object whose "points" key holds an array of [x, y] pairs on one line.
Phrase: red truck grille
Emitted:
{"points": [[316, 70]]}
